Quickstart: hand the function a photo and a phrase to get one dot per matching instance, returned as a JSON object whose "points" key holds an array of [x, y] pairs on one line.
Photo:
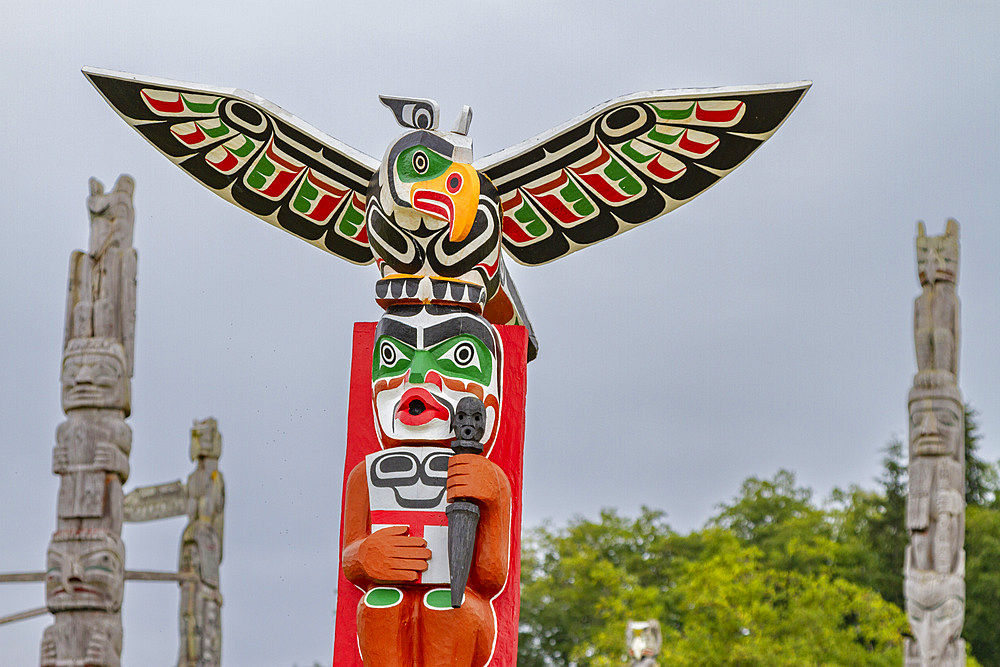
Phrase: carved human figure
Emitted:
{"points": [[935, 605], [84, 585], [643, 640], [935, 505], [426, 359], [201, 551], [936, 310], [93, 444]]}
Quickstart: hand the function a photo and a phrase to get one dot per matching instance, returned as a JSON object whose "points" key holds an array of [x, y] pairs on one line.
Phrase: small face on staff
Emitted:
{"points": [[427, 358]]}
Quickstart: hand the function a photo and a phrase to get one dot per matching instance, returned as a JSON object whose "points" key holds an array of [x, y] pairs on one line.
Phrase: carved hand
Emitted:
{"points": [[49, 653], [475, 477], [100, 653], [60, 459], [390, 555], [109, 457]]}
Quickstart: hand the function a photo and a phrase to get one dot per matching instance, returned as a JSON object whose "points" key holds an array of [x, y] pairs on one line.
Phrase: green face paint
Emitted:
{"points": [[462, 357]]}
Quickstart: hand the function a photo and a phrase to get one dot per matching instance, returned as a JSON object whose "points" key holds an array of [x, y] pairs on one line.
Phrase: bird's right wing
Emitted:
{"points": [[254, 154]]}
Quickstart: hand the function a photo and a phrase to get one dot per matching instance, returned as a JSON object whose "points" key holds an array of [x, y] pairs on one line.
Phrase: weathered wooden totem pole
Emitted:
{"points": [[643, 640], [935, 511], [432, 493], [85, 571], [202, 499]]}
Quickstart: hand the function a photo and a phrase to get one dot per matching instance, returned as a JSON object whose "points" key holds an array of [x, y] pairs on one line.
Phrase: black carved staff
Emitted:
{"points": [[469, 424]]}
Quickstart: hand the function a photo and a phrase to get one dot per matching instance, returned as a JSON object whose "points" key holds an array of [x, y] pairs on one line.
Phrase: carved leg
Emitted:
{"points": [[944, 349], [461, 637], [385, 627]]}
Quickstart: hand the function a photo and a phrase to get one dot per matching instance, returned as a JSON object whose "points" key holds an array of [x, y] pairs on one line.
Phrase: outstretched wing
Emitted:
{"points": [[254, 154], [626, 162]]}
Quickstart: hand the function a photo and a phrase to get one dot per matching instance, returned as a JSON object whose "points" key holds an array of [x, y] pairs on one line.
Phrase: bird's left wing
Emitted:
{"points": [[626, 162], [254, 154]]}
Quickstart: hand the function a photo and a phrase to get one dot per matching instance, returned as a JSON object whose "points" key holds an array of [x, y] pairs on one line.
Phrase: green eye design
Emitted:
{"points": [[391, 357], [463, 355], [419, 163]]}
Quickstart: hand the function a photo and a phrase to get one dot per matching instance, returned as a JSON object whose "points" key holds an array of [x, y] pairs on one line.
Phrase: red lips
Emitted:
{"points": [[434, 203], [418, 407]]}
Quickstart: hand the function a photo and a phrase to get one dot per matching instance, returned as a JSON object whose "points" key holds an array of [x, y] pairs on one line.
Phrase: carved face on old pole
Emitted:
{"points": [[94, 375], [85, 571], [427, 358], [935, 604], [936, 423]]}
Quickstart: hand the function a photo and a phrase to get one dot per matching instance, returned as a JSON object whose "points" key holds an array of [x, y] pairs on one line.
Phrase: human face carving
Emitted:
{"points": [[936, 609], [936, 427], [93, 379], [426, 359], [85, 574]]}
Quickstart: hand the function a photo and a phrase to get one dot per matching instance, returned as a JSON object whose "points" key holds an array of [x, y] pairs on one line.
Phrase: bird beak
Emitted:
{"points": [[452, 197]]}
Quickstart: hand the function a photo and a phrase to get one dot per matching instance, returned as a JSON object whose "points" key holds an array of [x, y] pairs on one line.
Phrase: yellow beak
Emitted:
{"points": [[453, 196]]}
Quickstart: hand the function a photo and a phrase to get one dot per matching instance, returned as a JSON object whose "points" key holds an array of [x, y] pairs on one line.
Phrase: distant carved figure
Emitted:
{"points": [[86, 572], [643, 640], [936, 310], [202, 499], [201, 552], [935, 505]]}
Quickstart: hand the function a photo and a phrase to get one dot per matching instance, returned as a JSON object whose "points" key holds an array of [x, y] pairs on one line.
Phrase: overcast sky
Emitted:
{"points": [[765, 325]]}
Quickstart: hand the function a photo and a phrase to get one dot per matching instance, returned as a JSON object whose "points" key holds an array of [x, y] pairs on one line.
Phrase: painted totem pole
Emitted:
{"points": [[643, 641], [935, 511], [85, 571], [202, 499], [431, 517]]}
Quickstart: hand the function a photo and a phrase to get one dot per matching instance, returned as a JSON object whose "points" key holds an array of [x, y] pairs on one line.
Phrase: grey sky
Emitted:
{"points": [[767, 324]]}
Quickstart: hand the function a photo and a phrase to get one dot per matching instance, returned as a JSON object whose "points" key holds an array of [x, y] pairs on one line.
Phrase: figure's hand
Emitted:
{"points": [[100, 653], [475, 477], [60, 459], [390, 555], [49, 655], [110, 458]]}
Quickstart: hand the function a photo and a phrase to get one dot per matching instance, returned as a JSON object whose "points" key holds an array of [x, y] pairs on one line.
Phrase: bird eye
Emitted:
{"points": [[420, 162], [454, 182], [388, 354]]}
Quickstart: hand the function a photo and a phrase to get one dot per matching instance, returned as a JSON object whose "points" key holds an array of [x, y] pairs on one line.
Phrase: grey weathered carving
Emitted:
{"points": [[935, 512], [643, 641], [936, 310], [85, 574], [202, 499]]}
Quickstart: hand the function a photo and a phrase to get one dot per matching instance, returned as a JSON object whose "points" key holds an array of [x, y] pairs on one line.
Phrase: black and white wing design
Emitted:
{"points": [[254, 154], [626, 162]]}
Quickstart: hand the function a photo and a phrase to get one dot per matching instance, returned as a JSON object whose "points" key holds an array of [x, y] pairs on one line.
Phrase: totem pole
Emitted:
{"points": [[203, 500], [643, 641], [935, 510], [85, 571], [454, 328]]}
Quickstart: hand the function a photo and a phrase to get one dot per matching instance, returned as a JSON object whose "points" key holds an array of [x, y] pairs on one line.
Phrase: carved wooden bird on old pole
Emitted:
{"points": [[427, 210]]}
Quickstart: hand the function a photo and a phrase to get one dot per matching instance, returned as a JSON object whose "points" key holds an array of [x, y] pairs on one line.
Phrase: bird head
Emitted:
{"points": [[427, 174]]}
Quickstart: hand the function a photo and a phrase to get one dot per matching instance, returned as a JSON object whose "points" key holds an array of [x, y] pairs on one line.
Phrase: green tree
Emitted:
{"points": [[981, 479], [871, 528], [982, 583], [580, 584], [739, 611]]}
